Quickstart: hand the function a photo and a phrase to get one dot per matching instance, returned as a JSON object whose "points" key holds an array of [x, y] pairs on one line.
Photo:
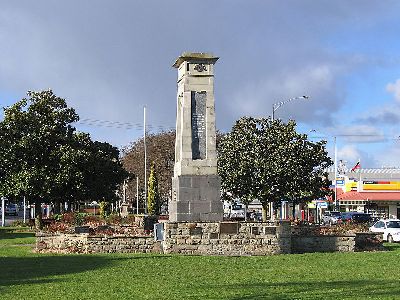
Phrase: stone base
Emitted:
{"points": [[124, 210], [196, 198]]}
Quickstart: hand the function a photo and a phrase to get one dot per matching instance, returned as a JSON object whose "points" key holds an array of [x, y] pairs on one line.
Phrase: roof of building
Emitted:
{"points": [[372, 196], [365, 174]]}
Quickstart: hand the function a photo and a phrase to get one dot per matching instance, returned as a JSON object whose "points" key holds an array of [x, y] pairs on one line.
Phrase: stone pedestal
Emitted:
{"points": [[195, 185], [197, 198], [124, 210]]}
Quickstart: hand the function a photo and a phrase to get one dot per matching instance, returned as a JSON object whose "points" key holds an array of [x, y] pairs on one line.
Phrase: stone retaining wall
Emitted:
{"points": [[226, 238], [209, 238], [323, 243], [84, 243]]}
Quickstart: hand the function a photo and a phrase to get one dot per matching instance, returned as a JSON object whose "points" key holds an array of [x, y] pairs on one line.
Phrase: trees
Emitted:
{"points": [[161, 152], [43, 158], [269, 161], [153, 196]]}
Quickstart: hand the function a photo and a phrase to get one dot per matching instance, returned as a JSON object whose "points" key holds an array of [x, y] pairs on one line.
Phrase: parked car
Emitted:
{"points": [[331, 217], [356, 217], [12, 209], [390, 229]]}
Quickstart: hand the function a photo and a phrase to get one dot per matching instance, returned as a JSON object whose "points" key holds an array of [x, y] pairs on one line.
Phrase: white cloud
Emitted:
{"points": [[349, 153], [394, 88], [390, 155], [315, 80]]}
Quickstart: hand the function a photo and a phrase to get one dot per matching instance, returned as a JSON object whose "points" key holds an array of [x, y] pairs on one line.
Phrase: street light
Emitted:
{"points": [[277, 105], [335, 166]]}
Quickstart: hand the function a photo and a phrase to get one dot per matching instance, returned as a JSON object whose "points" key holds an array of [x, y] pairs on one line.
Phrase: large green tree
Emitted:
{"points": [[43, 158], [269, 161]]}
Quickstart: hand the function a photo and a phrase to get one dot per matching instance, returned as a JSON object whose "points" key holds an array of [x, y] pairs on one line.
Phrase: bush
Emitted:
{"points": [[19, 223], [73, 218], [343, 228], [114, 219], [104, 209], [93, 220], [58, 227]]}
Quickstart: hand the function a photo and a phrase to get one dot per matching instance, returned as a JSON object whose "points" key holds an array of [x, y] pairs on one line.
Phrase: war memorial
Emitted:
{"points": [[196, 224]]}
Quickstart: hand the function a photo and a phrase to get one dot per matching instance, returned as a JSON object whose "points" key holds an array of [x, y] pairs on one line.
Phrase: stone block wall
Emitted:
{"points": [[226, 238], [213, 238], [323, 243], [84, 243]]}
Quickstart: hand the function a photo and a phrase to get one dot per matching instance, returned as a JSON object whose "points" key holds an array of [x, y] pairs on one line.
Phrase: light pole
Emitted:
{"points": [[335, 166], [3, 207], [277, 105], [145, 160]]}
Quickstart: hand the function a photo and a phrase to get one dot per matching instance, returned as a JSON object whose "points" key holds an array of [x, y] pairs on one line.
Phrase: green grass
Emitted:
{"points": [[27, 275]]}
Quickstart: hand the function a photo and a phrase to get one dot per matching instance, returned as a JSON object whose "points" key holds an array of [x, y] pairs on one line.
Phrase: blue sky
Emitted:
{"points": [[110, 58]]}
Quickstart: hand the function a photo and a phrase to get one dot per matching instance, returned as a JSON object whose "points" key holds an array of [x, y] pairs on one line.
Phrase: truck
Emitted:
{"points": [[234, 210]]}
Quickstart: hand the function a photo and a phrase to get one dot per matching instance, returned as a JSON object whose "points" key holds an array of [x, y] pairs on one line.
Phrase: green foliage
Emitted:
{"points": [[19, 223], [44, 158], [73, 218], [269, 161], [104, 209], [32, 136], [153, 196], [160, 152], [114, 219]]}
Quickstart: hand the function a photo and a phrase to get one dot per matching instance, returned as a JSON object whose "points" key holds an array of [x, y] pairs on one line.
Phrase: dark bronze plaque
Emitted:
{"points": [[270, 230], [199, 125], [229, 227]]}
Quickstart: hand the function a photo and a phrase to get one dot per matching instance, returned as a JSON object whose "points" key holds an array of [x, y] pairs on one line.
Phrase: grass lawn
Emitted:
{"points": [[26, 275]]}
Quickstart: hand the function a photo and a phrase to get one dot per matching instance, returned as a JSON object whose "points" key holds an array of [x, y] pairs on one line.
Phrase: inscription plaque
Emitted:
{"points": [[229, 227], [198, 124]]}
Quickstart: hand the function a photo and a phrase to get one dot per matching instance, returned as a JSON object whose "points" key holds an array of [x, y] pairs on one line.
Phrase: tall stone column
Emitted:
{"points": [[195, 185]]}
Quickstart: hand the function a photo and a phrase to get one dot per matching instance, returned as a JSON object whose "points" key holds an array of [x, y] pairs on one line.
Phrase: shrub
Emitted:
{"points": [[104, 209], [114, 219], [72, 218], [19, 223], [93, 220], [58, 227]]}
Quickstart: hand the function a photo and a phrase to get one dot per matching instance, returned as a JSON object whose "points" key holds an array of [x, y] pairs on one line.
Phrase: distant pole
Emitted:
{"points": [[24, 209], [3, 221], [335, 149], [145, 159], [137, 194], [124, 190]]}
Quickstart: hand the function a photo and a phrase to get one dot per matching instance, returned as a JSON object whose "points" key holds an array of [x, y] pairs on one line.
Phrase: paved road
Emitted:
{"points": [[10, 219]]}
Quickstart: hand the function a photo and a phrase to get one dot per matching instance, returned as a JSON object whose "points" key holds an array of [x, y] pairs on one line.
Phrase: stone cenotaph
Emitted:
{"points": [[195, 185]]}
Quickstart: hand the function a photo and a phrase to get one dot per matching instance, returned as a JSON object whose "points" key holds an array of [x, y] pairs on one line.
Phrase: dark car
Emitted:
{"points": [[11, 209], [331, 217], [356, 217]]}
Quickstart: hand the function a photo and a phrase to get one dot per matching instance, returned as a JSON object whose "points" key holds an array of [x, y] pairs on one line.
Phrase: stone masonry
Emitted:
{"points": [[195, 185], [213, 238]]}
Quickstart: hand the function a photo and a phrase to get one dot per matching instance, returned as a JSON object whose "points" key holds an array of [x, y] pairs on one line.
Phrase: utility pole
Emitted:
{"points": [[3, 211], [335, 149], [24, 209], [137, 195], [145, 160]]}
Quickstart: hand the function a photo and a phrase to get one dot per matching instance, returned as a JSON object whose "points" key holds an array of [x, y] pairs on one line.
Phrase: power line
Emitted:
{"points": [[383, 136], [122, 125]]}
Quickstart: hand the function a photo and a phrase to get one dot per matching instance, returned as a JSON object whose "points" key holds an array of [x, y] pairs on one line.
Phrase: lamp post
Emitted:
{"points": [[277, 105], [336, 168], [3, 207]]}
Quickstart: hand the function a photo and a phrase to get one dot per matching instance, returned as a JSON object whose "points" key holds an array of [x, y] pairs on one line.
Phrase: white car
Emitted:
{"points": [[390, 229]]}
